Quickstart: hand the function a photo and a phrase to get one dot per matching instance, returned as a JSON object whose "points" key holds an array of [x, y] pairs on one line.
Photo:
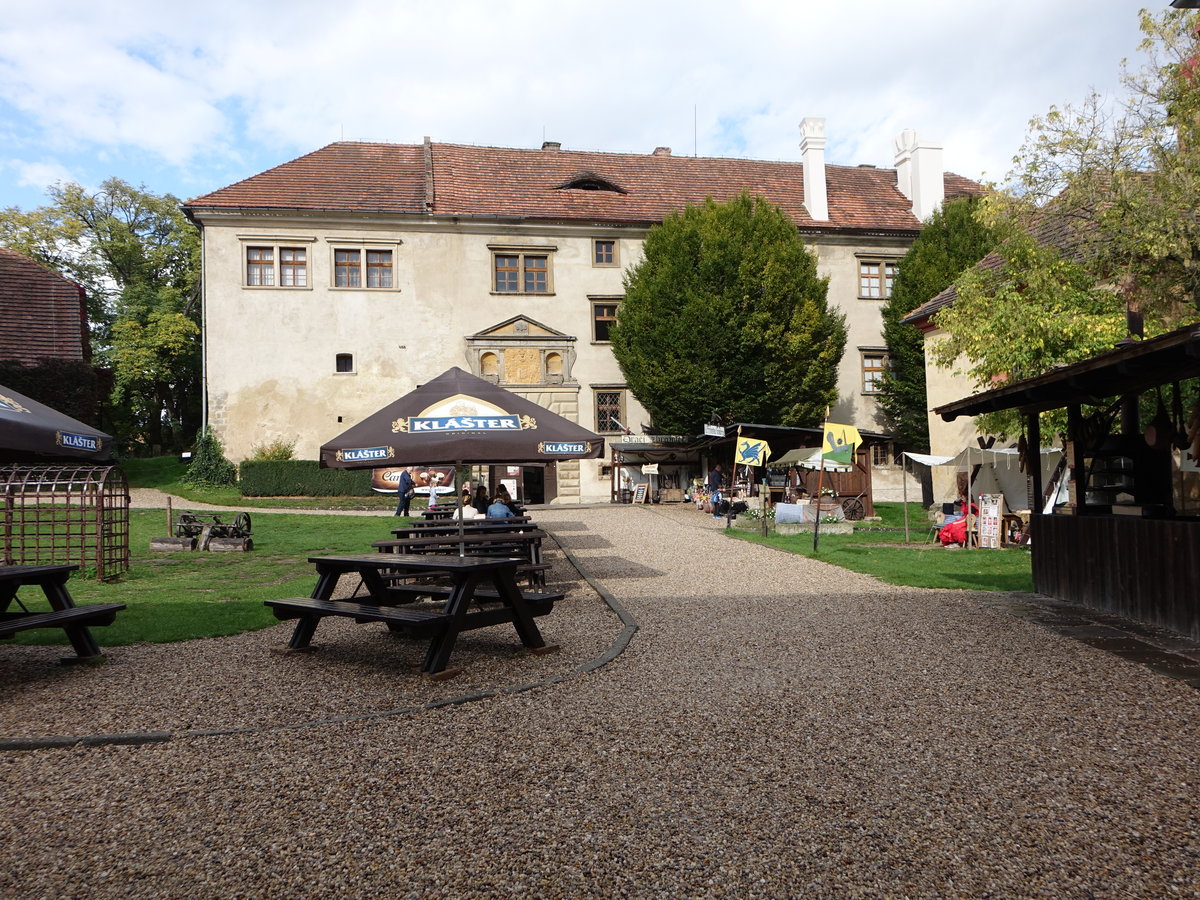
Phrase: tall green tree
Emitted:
{"points": [[951, 241], [139, 259], [725, 315], [1099, 231]]}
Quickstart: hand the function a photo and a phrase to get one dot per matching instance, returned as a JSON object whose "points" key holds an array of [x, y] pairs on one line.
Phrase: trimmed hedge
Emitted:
{"points": [[301, 478]]}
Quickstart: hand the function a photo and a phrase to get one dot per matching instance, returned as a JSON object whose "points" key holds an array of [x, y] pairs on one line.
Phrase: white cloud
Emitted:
{"points": [[201, 96]]}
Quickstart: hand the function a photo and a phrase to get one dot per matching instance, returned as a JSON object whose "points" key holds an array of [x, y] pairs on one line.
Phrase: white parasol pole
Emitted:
{"points": [[904, 486]]}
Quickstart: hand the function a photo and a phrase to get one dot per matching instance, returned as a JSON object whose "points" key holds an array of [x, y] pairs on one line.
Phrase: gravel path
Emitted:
{"points": [[776, 727]]}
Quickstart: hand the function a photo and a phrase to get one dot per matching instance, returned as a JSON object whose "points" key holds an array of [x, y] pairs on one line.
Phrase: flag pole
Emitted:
{"points": [[732, 480], [820, 482]]}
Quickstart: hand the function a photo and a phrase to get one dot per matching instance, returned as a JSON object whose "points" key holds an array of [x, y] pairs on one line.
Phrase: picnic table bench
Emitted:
{"points": [[470, 526], [524, 544], [461, 581], [64, 614]]}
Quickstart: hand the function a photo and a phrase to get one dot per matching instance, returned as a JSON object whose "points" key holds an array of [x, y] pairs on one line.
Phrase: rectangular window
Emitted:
{"points": [[881, 454], [260, 266], [379, 268], [343, 362], [874, 362], [875, 278], [604, 253], [293, 267], [610, 410], [604, 316], [282, 263], [515, 272], [346, 271]]}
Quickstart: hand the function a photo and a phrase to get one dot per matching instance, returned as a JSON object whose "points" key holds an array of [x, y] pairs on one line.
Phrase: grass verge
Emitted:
{"points": [[879, 549], [180, 596]]}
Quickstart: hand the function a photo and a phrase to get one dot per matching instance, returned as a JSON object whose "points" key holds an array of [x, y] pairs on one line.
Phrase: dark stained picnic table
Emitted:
{"points": [[460, 579], [64, 614]]}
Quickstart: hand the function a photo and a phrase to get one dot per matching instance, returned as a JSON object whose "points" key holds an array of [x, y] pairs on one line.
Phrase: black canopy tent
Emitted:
{"points": [[461, 419], [33, 433]]}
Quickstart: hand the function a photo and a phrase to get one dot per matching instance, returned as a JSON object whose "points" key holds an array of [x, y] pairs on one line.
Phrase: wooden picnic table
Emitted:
{"points": [[461, 580], [64, 614], [471, 526], [525, 544]]}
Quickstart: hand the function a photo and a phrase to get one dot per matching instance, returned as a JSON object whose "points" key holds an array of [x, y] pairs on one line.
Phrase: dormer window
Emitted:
{"points": [[590, 181]]}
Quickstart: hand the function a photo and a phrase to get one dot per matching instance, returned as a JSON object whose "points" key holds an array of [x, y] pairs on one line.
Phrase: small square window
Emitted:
{"points": [[343, 362], [881, 454], [604, 252]]}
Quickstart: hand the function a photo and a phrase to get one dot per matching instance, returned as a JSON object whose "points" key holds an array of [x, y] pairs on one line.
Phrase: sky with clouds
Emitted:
{"points": [[187, 98]]}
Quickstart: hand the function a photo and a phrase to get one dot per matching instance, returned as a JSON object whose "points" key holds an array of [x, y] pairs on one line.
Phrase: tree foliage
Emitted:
{"points": [[138, 258], [726, 315], [951, 241], [1098, 229], [209, 465]]}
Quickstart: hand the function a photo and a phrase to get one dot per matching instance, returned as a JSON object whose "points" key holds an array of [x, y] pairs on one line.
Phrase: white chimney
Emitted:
{"points": [[812, 152], [919, 173]]}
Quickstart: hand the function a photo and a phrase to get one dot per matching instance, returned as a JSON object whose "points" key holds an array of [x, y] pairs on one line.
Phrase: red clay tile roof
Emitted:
{"points": [[529, 184], [42, 314]]}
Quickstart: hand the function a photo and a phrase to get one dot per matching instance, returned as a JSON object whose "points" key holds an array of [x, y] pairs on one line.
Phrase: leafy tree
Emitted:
{"points": [[726, 315], [951, 241], [138, 257], [1099, 232]]}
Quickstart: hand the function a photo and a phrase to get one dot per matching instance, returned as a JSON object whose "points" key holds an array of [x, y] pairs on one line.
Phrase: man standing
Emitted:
{"points": [[404, 491]]}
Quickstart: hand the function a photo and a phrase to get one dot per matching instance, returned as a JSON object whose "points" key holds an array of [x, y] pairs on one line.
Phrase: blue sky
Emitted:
{"points": [[186, 101]]}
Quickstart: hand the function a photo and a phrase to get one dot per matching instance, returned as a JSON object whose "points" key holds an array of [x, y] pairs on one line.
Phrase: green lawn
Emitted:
{"points": [[178, 596], [928, 565]]}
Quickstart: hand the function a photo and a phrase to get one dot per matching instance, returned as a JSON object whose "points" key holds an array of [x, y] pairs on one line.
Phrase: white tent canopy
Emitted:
{"points": [[999, 472], [805, 458]]}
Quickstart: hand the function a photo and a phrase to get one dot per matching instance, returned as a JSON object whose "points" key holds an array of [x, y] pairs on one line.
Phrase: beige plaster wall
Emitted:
{"points": [[270, 351], [945, 385]]}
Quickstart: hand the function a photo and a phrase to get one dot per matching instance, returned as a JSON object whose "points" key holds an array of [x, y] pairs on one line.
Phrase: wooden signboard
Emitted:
{"points": [[991, 517], [639, 493]]}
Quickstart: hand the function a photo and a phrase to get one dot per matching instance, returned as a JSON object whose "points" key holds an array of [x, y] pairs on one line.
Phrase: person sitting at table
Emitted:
{"points": [[465, 509], [499, 509], [506, 498], [482, 501]]}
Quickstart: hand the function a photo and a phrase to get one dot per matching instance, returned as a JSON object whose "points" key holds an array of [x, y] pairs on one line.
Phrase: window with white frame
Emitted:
{"points": [[522, 270], [610, 408], [874, 364], [343, 363], [276, 264], [876, 277]]}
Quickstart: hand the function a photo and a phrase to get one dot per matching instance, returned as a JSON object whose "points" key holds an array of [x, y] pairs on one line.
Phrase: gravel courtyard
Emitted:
{"points": [[775, 727]]}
